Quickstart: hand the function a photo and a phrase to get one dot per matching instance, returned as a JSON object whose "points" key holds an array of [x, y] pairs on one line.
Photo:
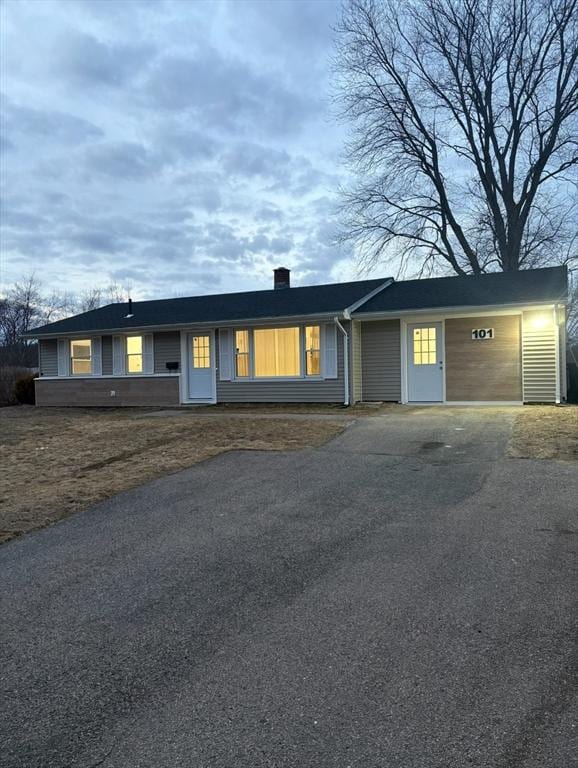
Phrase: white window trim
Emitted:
{"points": [[185, 366], [126, 354], [249, 353], [71, 360], [143, 335], [304, 350], [404, 324], [302, 354]]}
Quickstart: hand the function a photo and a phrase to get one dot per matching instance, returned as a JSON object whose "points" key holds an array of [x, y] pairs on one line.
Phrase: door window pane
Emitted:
{"points": [[201, 352], [81, 357], [276, 352], [241, 353], [424, 346]]}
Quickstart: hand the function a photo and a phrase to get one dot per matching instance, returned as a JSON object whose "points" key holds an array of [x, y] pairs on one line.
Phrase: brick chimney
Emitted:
{"points": [[281, 278]]}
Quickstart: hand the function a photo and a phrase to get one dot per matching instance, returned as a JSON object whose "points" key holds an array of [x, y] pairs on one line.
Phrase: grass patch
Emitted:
{"points": [[545, 432]]}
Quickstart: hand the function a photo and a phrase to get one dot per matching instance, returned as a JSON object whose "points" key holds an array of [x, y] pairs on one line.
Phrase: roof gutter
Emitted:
{"points": [[180, 326], [345, 358], [455, 309]]}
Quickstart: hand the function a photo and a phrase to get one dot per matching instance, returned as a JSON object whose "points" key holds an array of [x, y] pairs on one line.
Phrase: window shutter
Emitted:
{"points": [[148, 363], [330, 352], [63, 357], [96, 352], [225, 367], [118, 355]]}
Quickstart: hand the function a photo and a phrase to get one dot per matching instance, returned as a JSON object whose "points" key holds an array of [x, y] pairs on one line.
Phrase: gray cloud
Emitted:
{"points": [[160, 159], [251, 159], [105, 242], [6, 145], [203, 189], [45, 125], [185, 143], [269, 213], [279, 245], [123, 159], [226, 94], [88, 62]]}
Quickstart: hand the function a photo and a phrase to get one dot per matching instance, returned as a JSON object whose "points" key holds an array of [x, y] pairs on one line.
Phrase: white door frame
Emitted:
{"points": [[185, 366], [404, 323]]}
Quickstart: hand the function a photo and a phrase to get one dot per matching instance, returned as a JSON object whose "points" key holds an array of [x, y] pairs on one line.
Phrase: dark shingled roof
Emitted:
{"points": [[525, 287], [224, 307], [529, 286]]}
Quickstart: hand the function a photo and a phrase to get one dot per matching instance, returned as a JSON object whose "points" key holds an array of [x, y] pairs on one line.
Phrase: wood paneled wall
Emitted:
{"points": [[483, 370]]}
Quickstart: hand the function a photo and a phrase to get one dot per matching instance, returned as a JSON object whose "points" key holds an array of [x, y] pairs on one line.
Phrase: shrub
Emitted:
{"points": [[24, 390], [9, 374]]}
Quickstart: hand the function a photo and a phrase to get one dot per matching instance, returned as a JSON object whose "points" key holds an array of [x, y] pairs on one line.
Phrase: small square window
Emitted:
{"points": [[424, 346], [201, 352]]}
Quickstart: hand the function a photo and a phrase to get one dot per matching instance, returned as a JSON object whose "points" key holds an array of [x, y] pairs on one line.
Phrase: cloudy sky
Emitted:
{"points": [[175, 146]]}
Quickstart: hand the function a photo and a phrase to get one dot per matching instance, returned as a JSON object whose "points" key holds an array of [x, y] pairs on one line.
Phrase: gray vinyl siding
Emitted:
{"points": [[289, 391], [380, 360], [48, 357], [167, 349], [106, 355]]}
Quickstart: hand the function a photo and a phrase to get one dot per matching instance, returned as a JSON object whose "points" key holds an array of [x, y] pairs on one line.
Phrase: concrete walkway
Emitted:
{"points": [[404, 597]]}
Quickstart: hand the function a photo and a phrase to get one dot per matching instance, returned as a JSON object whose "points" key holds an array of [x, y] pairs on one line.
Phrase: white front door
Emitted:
{"points": [[201, 365], [425, 363]]}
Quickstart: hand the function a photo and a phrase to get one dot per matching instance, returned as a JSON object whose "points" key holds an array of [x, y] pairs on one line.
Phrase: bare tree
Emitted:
{"points": [[92, 298], [464, 131], [20, 310], [56, 306], [116, 294]]}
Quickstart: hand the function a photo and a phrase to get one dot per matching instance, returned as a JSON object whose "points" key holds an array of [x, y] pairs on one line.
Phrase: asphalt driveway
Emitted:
{"points": [[403, 596]]}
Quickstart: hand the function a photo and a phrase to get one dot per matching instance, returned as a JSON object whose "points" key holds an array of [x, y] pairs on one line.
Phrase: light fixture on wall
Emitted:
{"points": [[541, 321]]}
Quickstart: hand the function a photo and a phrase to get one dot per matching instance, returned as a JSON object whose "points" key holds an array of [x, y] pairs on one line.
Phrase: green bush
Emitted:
{"points": [[23, 391]]}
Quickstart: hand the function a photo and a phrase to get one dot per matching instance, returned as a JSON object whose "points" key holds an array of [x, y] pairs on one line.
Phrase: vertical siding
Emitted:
{"points": [[106, 355], [289, 391], [489, 370], [167, 349], [356, 362], [380, 360], [48, 357], [539, 358]]}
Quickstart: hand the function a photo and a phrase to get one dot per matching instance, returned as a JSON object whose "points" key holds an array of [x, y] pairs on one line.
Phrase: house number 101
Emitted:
{"points": [[483, 333]]}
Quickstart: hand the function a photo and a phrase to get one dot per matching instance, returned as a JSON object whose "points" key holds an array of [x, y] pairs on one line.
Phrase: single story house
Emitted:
{"points": [[494, 338]]}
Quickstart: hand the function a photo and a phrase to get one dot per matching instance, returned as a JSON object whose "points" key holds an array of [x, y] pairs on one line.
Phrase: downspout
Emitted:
{"points": [[345, 358], [561, 373]]}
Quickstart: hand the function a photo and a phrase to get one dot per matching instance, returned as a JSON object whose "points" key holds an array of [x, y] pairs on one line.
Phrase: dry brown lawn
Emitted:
{"points": [[57, 461], [546, 432]]}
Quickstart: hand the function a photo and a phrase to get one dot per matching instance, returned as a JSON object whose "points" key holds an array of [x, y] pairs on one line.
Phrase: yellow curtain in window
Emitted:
{"points": [[277, 352]]}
